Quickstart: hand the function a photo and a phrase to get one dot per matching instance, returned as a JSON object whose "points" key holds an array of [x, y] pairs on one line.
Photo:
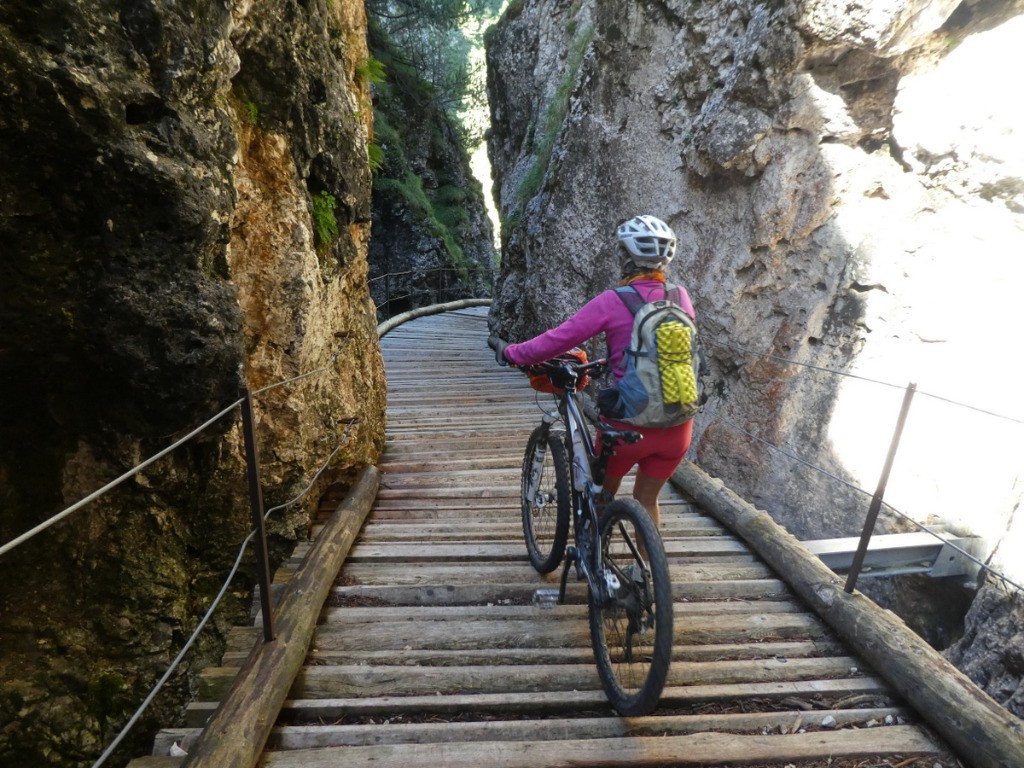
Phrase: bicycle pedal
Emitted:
{"points": [[546, 598]]}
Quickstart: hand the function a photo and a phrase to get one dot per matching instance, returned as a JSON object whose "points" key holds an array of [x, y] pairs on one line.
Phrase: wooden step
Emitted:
{"points": [[551, 729], [692, 749]]}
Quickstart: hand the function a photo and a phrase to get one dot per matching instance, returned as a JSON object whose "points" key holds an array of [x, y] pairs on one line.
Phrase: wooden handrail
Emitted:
{"points": [[433, 309], [235, 735], [983, 733]]}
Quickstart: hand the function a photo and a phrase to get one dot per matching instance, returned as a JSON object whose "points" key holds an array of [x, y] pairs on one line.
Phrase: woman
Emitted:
{"points": [[646, 247]]}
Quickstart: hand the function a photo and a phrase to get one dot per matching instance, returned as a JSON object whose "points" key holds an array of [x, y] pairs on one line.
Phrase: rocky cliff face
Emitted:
{"points": [[848, 198], [433, 241], [184, 207]]}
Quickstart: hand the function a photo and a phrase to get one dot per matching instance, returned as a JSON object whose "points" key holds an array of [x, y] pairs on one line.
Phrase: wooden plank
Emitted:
{"points": [[691, 749], [299, 737], [457, 594], [544, 633], [507, 704], [423, 574], [509, 614], [405, 552], [480, 531], [403, 680], [816, 694], [548, 729], [450, 509], [512, 656], [723, 631]]}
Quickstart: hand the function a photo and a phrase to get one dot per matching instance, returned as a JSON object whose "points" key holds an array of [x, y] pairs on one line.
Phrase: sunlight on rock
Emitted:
{"points": [[941, 273]]}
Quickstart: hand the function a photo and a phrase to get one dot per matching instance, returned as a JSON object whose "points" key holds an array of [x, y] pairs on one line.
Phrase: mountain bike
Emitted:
{"points": [[616, 546]]}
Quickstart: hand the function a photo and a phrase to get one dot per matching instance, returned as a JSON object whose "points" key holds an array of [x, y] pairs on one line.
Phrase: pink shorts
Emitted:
{"points": [[657, 455]]}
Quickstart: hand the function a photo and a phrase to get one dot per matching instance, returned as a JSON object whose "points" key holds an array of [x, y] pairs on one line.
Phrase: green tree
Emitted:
{"points": [[451, 14], [438, 38]]}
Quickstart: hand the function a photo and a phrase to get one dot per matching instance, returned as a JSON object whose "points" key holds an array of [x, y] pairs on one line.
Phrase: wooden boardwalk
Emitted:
{"points": [[430, 651]]}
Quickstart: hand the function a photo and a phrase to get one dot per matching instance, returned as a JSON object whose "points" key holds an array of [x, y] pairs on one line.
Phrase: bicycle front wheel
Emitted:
{"points": [[546, 499], [631, 628]]}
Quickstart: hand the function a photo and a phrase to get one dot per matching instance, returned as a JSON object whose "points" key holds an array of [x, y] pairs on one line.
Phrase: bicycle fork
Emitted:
{"points": [[536, 469]]}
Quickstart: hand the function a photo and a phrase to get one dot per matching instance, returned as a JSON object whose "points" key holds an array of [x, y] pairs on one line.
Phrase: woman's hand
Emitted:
{"points": [[498, 345]]}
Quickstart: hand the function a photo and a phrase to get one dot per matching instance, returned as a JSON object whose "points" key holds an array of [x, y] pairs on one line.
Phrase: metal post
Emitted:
{"points": [[876, 500], [387, 284], [252, 463]]}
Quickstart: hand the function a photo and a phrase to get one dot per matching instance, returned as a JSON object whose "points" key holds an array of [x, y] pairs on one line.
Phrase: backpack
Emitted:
{"points": [[661, 386]]}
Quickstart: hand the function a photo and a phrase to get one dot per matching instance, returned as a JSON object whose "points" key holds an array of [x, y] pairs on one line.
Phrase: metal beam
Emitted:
{"points": [[902, 553]]}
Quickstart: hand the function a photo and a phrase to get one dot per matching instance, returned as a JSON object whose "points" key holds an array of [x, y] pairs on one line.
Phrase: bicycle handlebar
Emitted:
{"points": [[594, 367]]}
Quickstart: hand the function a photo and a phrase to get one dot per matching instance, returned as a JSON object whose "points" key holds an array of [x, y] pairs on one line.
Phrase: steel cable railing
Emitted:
{"points": [[393, 295], [177, 659], [216, 601], [257, 533], [117, 481], [920, 526], [846, 374], [157, 456], [869, 525]]}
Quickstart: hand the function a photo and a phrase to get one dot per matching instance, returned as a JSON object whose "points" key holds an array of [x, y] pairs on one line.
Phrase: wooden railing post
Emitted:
{"points": [[876, 500]]}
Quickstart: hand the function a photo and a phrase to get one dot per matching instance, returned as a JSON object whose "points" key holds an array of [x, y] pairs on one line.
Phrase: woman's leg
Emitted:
{"points": [[646, 490], [612, 483]]}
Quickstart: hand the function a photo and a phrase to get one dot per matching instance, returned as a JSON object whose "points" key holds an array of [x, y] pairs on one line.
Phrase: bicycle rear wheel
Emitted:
{"points": [[546, 499], [632, 630]]}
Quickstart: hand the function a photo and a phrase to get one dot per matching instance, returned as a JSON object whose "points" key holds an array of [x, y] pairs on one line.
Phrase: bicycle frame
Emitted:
{"points": [[586, 470]]}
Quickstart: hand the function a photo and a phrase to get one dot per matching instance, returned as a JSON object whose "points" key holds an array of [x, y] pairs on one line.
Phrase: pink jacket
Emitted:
{"points": [[605, 313]]}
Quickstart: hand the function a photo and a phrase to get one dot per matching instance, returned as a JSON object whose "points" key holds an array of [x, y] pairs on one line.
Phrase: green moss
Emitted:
{"points": [[252, 112], [551, 122], [574, 12], [453, 217], [244, 106], [372, 70], [383, 131], [450, 195], [443, 216], [325, 222], [511, 222], [546, 133], [375, 156], [455, 252], [413, 186]]}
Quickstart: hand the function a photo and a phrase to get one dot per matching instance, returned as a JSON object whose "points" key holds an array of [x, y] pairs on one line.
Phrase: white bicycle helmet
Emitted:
{"points": [[649, 241]]}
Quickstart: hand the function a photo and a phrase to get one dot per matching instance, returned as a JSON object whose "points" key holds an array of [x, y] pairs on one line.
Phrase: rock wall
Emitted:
{"points": [[184, 206], [433, 241], [847, 191]]}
